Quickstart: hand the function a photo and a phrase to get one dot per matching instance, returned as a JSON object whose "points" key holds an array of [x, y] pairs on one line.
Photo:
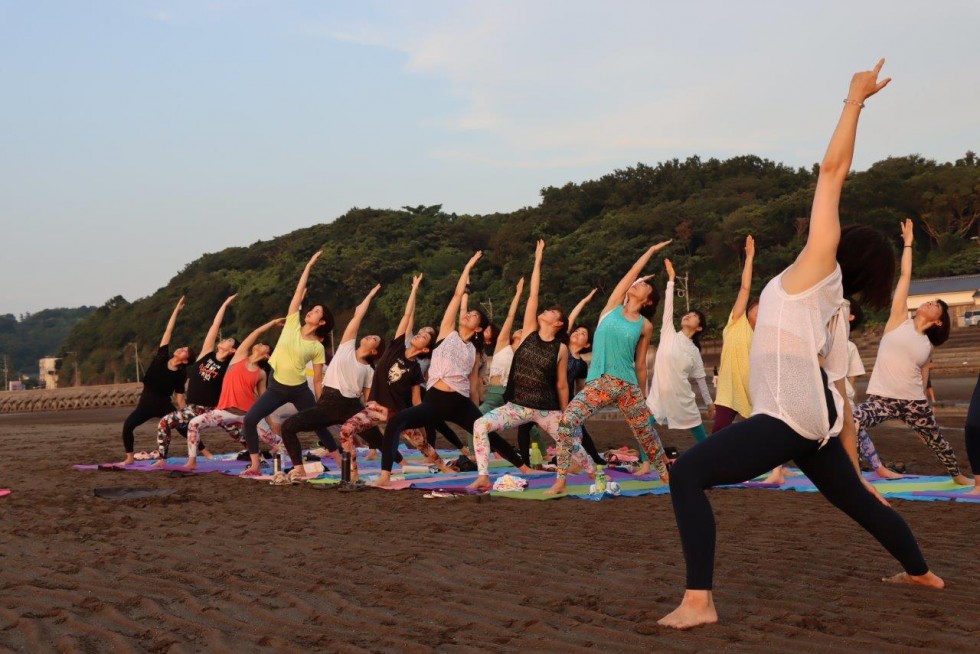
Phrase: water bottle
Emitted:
{"points": [[345, 467], [599, 487], [537, 461]]}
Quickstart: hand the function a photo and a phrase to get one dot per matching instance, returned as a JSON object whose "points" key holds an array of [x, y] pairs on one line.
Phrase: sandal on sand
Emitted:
{"points": [[281, 479]]}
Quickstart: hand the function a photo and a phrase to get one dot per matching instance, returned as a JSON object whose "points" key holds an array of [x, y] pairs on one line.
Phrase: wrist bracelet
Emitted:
{"points": [[854, 102]]}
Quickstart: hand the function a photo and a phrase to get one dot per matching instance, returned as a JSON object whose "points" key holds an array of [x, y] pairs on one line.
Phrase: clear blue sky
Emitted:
{"points": [[135, 136]]}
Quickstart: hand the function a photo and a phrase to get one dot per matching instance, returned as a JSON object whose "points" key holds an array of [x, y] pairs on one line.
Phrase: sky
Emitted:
{"points": [[136, 136]]}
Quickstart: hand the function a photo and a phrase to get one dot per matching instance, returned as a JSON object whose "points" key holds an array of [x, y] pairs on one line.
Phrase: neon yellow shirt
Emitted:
{"points": [[292, 353], [733, 372]]}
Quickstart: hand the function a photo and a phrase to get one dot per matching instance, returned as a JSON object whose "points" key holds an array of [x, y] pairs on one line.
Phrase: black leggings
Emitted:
{"points": [[973, 430], [331, 409], [446, 406], [754, 446], [146, 409], [441, 427], [275, 396]]}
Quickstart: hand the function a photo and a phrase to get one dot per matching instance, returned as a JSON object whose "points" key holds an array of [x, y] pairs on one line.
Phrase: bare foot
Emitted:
{"points": [[963, 480], [642, 469], [206, 454], [383, 479], [480, 484], [975, 491], [159, 464], [130, 460], [528, 470], [888, 473], [371, 456], [696, 609], [558, 488], [777, 476], [928, 579]]}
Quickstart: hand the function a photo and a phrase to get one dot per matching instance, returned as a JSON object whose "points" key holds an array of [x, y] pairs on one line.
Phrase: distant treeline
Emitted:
{"points": [[594, 230], [25, 340]]}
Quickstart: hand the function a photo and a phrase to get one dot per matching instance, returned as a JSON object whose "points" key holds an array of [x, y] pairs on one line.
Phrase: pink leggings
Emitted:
{"points": [[372, 415]]}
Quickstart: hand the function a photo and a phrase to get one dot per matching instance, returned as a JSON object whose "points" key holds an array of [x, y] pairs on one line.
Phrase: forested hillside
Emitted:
{"points": [[23, 341], [594, 230]]}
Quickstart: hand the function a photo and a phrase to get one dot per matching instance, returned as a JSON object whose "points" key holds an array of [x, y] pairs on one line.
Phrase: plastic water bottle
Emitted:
{"points": [[599, 487], [537, 461]]}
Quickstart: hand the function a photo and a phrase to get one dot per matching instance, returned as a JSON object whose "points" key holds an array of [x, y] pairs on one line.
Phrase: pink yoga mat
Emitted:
{"points": [[4, 492]]}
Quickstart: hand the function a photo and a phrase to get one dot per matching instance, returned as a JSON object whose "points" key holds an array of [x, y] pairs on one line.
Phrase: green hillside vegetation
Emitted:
{"points": [[36, 335], [594, 230]]}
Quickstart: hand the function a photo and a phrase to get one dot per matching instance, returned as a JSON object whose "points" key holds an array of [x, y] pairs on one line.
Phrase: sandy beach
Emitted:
{"points": [[226, 564]]}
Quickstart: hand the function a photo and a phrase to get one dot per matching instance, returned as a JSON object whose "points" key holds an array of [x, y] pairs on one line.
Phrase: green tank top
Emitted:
{"points": [[614, 349]]}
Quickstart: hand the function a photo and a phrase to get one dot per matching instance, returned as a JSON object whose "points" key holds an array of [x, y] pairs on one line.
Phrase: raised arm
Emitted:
{"points": [[624, 284], [350, 333], [503, 338], [819, 257], [448, 324], [900, 310], [668, 317], [531, 308], [169, 331], [212, 335], [407, 321], [573, 316], [297, 300], [742, 301], [246, 345]]}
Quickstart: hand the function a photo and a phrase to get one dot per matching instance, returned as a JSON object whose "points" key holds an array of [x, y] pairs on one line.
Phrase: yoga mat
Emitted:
{"points": [[4, 492]]}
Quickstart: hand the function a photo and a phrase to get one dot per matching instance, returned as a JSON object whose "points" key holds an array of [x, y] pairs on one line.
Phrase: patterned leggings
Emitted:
{"points": [[373, 415], [232, 423], [513, 415], [917, 414], [174, 420], [602, 392]]}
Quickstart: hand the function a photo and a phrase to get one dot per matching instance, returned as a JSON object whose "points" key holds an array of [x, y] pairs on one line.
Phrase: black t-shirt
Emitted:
{"points": [[533, 379], [160, 382], [204, 378], [577, 369], [394, 376]]}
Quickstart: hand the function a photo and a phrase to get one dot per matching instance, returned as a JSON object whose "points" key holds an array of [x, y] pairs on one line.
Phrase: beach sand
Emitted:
{"points": [[227, 564]]}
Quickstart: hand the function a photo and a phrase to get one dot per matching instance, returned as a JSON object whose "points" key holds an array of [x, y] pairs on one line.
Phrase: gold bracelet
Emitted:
{"points": [[855, 103]]}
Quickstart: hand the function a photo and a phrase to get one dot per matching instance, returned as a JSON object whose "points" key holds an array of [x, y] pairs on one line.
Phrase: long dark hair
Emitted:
{"points": [[703, 322], [867, 264], [650, 310], [939, 334], [477, 338], [562, 333]]}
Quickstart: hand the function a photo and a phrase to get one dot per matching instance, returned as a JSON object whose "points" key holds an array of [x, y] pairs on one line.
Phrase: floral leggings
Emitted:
{"points": [[233, 423], [602, 392], [373, 415], [173, 420], [514, 415], [917, 414]]}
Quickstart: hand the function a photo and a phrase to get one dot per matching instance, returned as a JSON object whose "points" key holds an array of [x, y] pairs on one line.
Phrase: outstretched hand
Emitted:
{"points": [[908, 233], [659, 246], [316, 255], [865, 84], [278, 322], [230, 299], [416, 280], [749, 246], [180, 304], [588, 298], [670, 270], [539, 249], [520, 286], [374, 291], [474, 259]]}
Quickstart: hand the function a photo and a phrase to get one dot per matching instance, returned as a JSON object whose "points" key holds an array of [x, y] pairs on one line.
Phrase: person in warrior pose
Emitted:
{"points": [[895, 390], [204, 378], [618, 371], [799, 407], [164, 379], [244, 382], [397, 386], [301, 341], [453, 378], [537, 387], [346, 385], [973, 435]]}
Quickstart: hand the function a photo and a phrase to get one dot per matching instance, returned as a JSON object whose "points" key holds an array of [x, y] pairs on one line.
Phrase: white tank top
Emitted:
{"points": [[500, 365], [898, 368], [452, 362], [794, 334]]}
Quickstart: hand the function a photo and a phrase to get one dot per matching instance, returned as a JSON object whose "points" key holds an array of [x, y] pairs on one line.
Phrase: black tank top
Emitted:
{"points": [[533, 381]]}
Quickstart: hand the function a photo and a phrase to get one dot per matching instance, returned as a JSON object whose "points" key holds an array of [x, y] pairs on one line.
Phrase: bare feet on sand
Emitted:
{"points": [[696, 609], [777, 476], [928, 580], [888, 473], [159, 463], [558, 488], [963, 480], [371, 455], [481, 483], [643, 469], [383, 479]]}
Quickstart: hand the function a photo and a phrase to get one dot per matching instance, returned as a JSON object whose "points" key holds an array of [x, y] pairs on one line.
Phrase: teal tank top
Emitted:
{"points": [[614, 347]]}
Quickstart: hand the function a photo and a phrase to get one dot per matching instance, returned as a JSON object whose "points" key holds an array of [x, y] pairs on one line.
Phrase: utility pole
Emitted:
{"points": [[682, 292], [76, 380], [6, 381], [136, 356]]}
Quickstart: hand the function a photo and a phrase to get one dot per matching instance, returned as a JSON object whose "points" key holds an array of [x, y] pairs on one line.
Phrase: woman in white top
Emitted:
{"points": [[346, 385], [678, 362], [895, 390], [798, 362], [503, 356], [453, 381]]}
